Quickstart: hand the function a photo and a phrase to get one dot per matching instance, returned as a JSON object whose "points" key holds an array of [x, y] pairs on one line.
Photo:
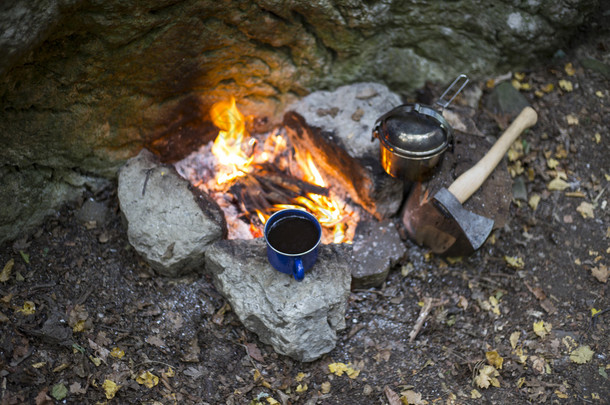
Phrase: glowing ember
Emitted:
{"points": [[238, 157]]}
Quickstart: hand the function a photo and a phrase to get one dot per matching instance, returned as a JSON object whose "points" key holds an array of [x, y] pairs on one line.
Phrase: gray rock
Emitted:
{"points": [[376, 248], [299, 319], [349, 112], [169, 224], [506, 100]]}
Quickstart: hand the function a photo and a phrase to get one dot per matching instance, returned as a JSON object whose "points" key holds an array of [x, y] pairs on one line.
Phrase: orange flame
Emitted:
{"points": [[228, 145], [235, 162]]}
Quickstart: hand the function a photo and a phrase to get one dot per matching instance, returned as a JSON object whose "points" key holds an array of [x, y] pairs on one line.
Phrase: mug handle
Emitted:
{"points": [[299, 271]]}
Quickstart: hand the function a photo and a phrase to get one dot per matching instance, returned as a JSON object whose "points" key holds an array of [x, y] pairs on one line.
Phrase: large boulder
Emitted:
{"points": [[299, 319], [170, 224]]}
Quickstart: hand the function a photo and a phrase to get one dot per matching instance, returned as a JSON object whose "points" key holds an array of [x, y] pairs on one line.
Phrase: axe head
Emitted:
{"points": [[442, 224]]}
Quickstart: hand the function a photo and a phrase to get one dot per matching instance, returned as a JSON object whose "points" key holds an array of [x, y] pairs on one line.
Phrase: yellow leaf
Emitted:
{"points": [[514, 262], [519, 76], [325, 387], [474, 394], [301, 388], [561, 394], [548, 88], [594, 396], [552, 163], [542, 328], [569, 69], [566, 85], [522, 356], [557, 184], [598, 138], [582, 355], [514, 338], [39, 365], [520, 382], [534, 201], [495, 305], [539, 94], [599, 94], [95, 360], [169, 373], [572, 119], [490, 84], [586, 210], [6, 271], [28, 308], [487, 376], [526, 86], [299, 377], [272, 401], [148, 379], [337, 368], [79, 326], [516, 84], [110, 388], [595, 311], [494, 359], [117, 353]]}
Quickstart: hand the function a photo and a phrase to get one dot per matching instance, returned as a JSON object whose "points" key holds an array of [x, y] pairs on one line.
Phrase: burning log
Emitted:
{"points": [[363, 178]]}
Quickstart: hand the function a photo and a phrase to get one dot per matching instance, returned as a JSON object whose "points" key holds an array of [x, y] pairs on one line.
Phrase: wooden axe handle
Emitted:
{"points": [[470, 181]]}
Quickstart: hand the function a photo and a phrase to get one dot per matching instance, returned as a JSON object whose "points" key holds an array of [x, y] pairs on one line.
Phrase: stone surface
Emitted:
{"points": [[299, 319], [29, 194], [376, 248], [505, 100], [168, 224], [85, 84]]}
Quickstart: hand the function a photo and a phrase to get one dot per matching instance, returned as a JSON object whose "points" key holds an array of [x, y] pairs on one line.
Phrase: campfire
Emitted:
{"points": [[251, 176]]}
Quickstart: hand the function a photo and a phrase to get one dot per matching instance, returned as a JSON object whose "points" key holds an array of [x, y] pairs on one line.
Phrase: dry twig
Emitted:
{"points": [[429, 303]]}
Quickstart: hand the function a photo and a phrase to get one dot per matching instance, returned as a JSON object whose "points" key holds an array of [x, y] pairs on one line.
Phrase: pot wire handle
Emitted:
{"points": [[444, 103]]}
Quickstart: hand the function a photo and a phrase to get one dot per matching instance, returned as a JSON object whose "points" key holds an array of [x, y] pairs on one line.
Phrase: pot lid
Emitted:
{"points": [[414, 131]]}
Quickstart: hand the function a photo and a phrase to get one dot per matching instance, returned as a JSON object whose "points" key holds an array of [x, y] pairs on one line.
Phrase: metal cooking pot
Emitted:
{"points": [[413, 137]]}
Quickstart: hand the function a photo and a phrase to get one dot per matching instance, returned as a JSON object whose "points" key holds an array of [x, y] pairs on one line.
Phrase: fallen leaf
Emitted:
{"points": [[542, 328], [514, 262], [117, 353], [571, 119], [548, 88], [586, 210], [538, 364], [59, 391], [169, 373], [534, 201], [514, 338], [392, 397], [494, 359], [28, 308], [25, 257], [110, 388], [254, 352], [569, 69], [582, 355], [561, 395], [155, 341], [601, 273], [598, 138], [6, 271], [325, 387], [495, 305], [552, 163], [474, 394], [42, 398], [557, 184], [411, 397], [487, 376], [76, 388], [301, 388], [339, 368], [566, 85], [77, 319], [148, 379]]}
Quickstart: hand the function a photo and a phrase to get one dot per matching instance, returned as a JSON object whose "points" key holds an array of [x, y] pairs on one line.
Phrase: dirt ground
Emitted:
{"points": [[84, 320]]}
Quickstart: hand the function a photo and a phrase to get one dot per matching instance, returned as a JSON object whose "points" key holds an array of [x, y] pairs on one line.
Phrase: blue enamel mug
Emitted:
{"points": [[292, 238]]}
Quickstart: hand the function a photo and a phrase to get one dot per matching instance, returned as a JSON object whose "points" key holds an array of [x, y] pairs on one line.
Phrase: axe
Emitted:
{"points": [[441, 223]]}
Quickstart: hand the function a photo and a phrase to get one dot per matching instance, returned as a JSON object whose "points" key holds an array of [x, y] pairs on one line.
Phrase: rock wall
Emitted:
{"points": [[85, 84]]}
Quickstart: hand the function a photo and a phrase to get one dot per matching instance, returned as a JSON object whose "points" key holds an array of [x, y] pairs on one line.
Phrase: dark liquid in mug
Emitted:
{"points": [[293, 235]]}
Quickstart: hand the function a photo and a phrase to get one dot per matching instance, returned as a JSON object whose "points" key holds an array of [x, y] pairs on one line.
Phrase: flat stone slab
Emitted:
{"points": [[377, 246], [169, 223], [299, 319]]}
